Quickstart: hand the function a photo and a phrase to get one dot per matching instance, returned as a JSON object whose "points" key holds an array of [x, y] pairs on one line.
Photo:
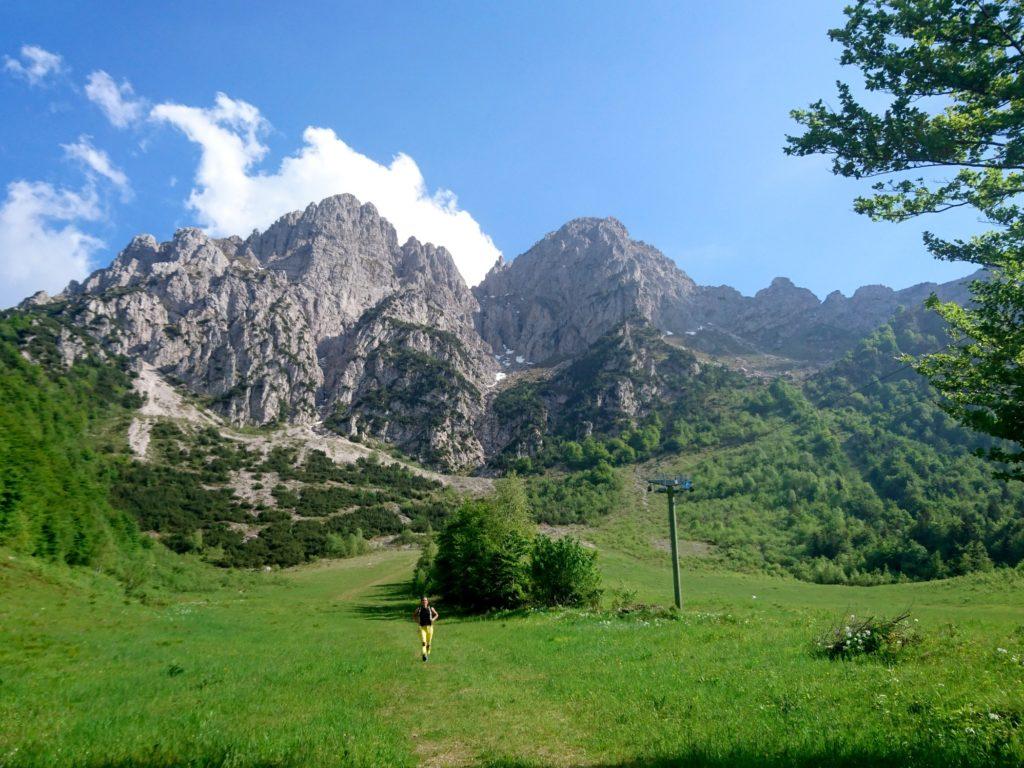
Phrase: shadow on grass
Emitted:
{"points": [[920, 756], [210, 761], [390, 602], [914, 758]]}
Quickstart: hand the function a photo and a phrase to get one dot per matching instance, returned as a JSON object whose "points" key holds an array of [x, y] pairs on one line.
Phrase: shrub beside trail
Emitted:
{"points": [[489, 558]]}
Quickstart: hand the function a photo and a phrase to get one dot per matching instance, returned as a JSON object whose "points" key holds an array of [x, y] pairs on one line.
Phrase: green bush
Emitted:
{"points": [[488, 558], [563, 572], [481, 563], [346, 546], [483, 553], [579, 497]]}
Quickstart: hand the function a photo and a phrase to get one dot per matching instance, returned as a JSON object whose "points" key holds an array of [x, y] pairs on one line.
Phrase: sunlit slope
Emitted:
{"points": [[59, 425], [853, 476], [319, 667]]}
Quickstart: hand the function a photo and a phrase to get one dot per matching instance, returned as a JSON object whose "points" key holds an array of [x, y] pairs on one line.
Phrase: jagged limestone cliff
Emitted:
{"points": [[326, 318], [585, 279], [322, 316], [573, 287]]}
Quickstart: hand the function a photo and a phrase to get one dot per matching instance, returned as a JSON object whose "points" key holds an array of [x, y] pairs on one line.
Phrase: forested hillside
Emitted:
{"points": [[855, 475], [71, 492], [59, 426], [300, 506]]}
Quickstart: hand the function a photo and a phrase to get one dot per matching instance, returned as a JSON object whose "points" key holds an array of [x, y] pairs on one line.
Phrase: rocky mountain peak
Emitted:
{"points": [[591, 227], [573, 287], [603, 243], [782, 285], [326, 240], [873, 292], [582, 280], [323, 316], [326, 318], [784, 297]]}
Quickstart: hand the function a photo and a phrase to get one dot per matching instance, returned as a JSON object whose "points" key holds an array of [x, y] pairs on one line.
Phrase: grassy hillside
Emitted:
{"points": [[319, 667], [857, 476]]}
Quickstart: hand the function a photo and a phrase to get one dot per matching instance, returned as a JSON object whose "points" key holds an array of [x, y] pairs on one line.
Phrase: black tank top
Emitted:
{"points": [[426, 616]]}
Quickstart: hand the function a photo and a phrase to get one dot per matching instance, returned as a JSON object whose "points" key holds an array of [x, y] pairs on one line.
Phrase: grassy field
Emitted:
{"points": [[319, 666]]}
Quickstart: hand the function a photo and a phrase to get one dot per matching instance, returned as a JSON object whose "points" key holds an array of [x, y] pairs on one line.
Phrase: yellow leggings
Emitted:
{"points": [[426, 635]]}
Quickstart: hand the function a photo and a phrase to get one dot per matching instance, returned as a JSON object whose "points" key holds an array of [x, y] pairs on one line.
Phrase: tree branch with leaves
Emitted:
{"points": [[952, 74]]}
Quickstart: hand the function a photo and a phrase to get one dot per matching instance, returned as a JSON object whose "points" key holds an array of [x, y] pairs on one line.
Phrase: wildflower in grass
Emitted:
{"points": [[867, 636]]}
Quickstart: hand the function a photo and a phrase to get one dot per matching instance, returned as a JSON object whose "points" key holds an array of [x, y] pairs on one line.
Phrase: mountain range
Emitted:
{"points": [[326, 319]]}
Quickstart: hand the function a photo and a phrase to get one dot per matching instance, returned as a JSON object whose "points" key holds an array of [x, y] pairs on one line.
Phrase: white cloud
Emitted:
{"points": [[231, 198], [118, 102], [97, 160], [41, 248], [36, 64]]}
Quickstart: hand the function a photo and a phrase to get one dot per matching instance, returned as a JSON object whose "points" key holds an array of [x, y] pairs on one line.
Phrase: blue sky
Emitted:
{"points": [[669, 116]]}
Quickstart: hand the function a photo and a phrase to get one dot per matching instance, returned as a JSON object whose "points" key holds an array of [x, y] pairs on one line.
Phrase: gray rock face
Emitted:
{"points": [[621, 379], [322, 315], [326, 317], [573, 287], [790, 321], [582, 281]]}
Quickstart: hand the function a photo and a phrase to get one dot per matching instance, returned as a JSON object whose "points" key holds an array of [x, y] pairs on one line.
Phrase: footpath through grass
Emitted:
{"points": [[320, 667]]}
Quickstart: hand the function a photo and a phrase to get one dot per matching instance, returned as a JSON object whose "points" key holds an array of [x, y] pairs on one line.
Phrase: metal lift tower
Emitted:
{"points": [[672, 486]]}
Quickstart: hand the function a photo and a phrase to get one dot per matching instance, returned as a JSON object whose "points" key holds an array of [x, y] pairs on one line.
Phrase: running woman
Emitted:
{"points": [[426, 615]]}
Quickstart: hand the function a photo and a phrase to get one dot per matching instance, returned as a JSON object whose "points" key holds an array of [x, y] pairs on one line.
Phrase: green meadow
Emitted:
{"points": [[319, 666]]}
